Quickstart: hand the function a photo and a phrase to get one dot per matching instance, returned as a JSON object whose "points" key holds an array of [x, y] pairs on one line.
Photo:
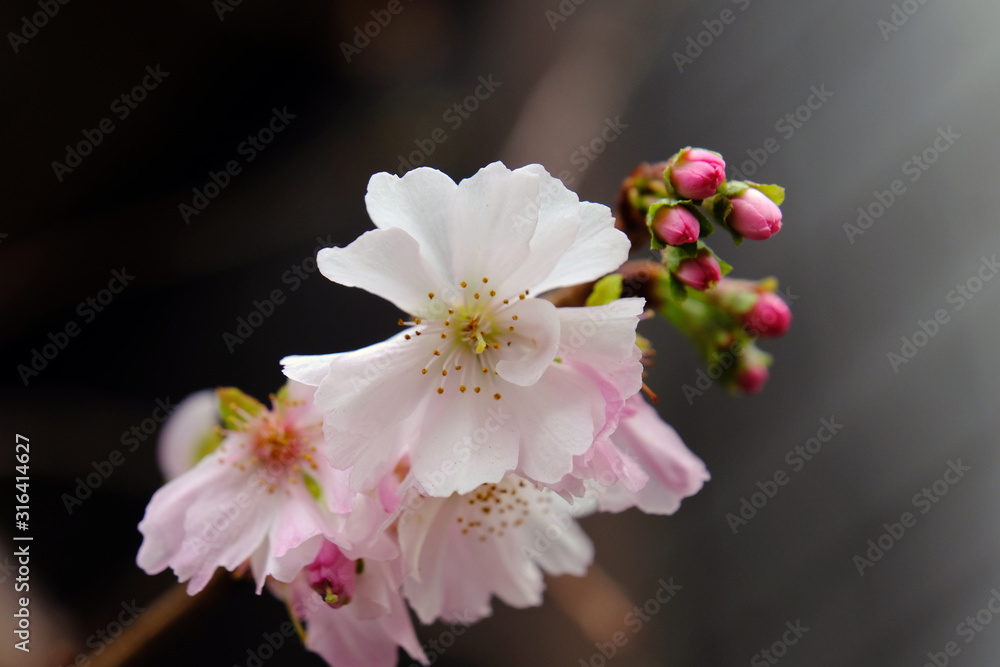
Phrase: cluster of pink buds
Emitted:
{"points": [[675, 205]]}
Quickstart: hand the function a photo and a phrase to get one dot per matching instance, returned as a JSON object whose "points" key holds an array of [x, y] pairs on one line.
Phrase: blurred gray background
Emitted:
{"points": [[896, 78]]}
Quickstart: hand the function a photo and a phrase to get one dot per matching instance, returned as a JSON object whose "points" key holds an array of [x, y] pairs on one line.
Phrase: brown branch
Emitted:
{"points": [[166, 611]]}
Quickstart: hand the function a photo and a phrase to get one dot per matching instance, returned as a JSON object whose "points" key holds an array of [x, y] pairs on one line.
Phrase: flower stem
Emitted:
{"points": [[172, 607]]}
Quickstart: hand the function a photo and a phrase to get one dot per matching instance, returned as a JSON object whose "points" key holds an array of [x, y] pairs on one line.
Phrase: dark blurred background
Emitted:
{"points": [[894, 77]]}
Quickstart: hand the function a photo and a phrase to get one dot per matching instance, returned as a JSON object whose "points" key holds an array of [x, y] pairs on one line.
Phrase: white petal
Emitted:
{"points": [[603, 338], [387, 263], [190, 422], [464, 441], [595, 247], [309, 369], [493, 223], [535, 342], [420, 204]]}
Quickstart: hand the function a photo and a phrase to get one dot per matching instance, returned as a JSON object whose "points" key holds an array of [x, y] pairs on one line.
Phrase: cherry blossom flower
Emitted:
{"points": [[265, 493], [485, 379], [497, 540], [354, 613]]}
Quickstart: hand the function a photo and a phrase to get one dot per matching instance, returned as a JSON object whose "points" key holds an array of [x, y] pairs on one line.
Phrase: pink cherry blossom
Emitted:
{"points": [[460, 551], [485, 379], [265, 494], [365, 628]]}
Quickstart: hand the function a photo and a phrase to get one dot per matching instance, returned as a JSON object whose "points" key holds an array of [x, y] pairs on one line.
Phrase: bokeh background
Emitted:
{"points": [[721, 74]]}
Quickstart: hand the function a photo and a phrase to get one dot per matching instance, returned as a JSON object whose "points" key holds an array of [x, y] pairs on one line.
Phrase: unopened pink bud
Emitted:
{"points": [[675, 225], [769, 317], [751, 379], [754, 215], [697, 173], [332, 575], [699, 272]]}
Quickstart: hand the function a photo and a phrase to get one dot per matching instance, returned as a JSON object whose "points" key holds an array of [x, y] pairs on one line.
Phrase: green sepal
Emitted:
{"points": [[721, 207], [775, 193], [678, 290], [233, 403], [606, 290], [209, 442], [724, 266], [706, 225], [312, 486], [672, 256], [742, 302]]}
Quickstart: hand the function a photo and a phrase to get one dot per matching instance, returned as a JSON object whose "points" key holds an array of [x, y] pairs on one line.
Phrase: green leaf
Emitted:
{"points": [[606, 290], [234, 405]]}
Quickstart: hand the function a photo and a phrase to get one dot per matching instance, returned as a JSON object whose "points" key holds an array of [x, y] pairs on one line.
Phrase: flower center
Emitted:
{"points": [[493, 509], [333, 575], [279, 452], [471, 335]]}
